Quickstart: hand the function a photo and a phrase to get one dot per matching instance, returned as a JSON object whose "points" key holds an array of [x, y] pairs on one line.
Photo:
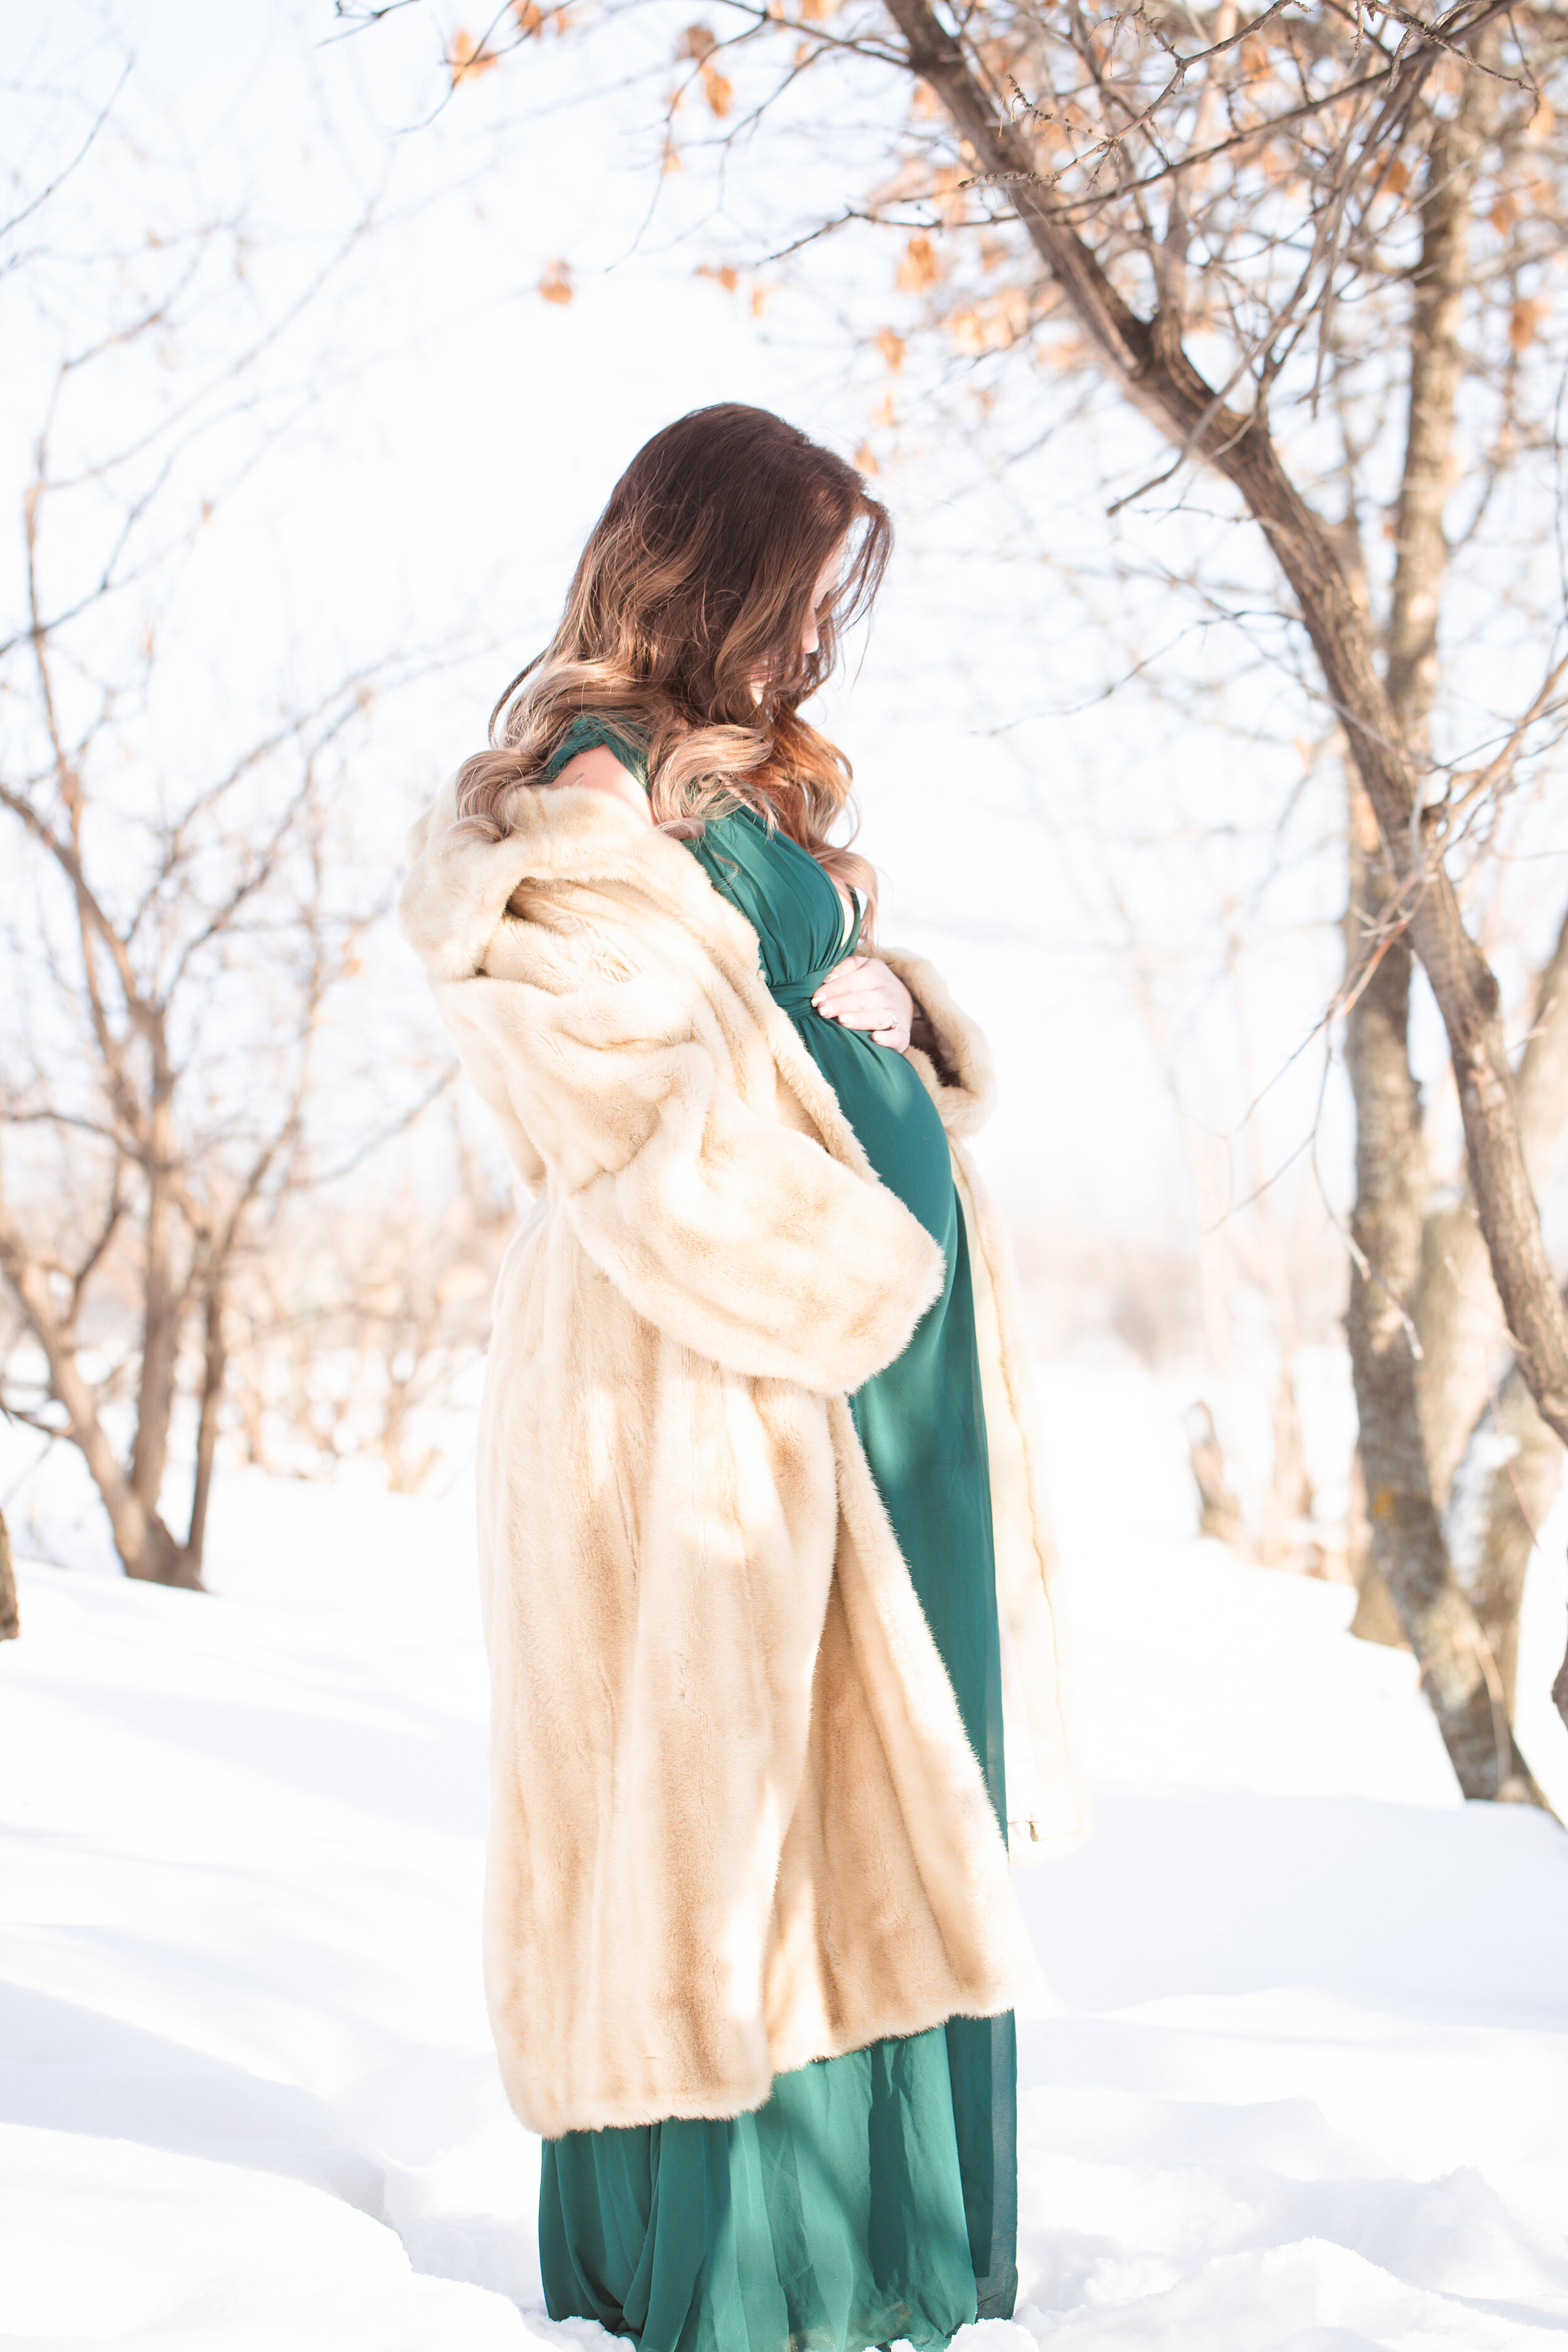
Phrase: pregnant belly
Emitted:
{"points": [[895, 1119]]}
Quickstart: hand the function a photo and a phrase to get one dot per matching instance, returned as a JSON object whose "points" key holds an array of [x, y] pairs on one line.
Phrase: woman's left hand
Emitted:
{"points": [[864, 993]]}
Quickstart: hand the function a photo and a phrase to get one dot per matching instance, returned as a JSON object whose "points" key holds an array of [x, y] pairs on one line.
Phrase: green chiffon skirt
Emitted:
{"points": [[832, 2216], [874, 2197]]}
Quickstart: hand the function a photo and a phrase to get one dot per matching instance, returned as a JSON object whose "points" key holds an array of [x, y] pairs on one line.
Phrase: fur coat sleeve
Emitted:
{"points": [[633, 1077]]}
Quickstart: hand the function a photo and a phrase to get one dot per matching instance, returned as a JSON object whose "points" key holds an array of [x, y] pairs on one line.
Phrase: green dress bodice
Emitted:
{"points": [[874, 2197]]}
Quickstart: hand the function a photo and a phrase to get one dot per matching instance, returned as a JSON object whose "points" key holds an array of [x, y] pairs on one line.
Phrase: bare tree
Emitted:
{"points": [[1494, 1466], [187, 899], [1219, 1514], [350, 1343], [1243, 1252], [156, 1096], [1080, 222]]}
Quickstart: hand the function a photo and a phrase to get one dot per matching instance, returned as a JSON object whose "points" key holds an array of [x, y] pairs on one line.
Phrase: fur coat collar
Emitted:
{"points": [[736, 1824]]}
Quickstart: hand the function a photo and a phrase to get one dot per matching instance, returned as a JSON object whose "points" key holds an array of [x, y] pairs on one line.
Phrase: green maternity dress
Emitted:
{"points": [[875, 2196]]}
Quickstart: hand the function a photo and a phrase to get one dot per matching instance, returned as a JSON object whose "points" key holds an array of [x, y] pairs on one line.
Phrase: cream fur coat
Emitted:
{"points": [[736, 1822]]}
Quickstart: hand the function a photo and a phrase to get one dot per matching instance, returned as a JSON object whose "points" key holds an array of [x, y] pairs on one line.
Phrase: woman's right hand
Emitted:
{"points": [[863, 992]]}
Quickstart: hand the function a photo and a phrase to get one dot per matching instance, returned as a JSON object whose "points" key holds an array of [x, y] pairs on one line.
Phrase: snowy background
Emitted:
{"points": [[1299, 2081]]}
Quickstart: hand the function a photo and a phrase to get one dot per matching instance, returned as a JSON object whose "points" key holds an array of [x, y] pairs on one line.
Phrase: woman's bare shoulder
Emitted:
{"points": [[599, 770]]}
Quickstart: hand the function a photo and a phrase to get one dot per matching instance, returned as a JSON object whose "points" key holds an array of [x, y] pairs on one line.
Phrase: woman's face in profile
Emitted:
{"points": [[823, 586], [826, 580]]}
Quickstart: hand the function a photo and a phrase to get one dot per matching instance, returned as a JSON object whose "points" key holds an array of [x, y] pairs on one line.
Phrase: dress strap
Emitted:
{"points": [[585, 734]]}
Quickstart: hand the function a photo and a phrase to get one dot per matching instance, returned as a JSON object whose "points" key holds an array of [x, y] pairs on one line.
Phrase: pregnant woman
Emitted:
{"points": [[775, 1668]]}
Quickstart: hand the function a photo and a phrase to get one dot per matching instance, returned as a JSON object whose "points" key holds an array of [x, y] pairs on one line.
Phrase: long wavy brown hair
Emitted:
{"points": [[684, 625]]}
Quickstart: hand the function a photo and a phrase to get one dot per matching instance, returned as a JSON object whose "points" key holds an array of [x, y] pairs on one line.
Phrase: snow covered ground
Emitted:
{"points": [[1300, 2084]]}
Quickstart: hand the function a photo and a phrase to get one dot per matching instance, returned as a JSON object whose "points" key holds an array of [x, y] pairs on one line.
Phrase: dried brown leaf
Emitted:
{"points": [[920, 266], [994, 324], [717, 89], [1523, 325], [1061, 352], [470, 59]]}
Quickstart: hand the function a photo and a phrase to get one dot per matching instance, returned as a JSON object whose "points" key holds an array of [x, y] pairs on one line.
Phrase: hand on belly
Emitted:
{"points": [[863, 993]]}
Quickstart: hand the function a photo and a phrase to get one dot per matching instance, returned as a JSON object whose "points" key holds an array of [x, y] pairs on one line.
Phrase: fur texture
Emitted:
{"points": [[736, 1822]]}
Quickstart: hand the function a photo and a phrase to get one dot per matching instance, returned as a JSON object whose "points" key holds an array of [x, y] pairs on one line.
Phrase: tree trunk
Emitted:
{"points": [[1407, 1537], [215, 1365], [1406, 1534], [1219, 1513], [147, 1549], [160, 1305], [1147, 360], [1377, 1026], [1503, 1489], [1288, 1539], [1464, 1339], [1385, 1222], [1376, 1619], [10, 1612], [1456, 1308], [1458, 1314]]}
